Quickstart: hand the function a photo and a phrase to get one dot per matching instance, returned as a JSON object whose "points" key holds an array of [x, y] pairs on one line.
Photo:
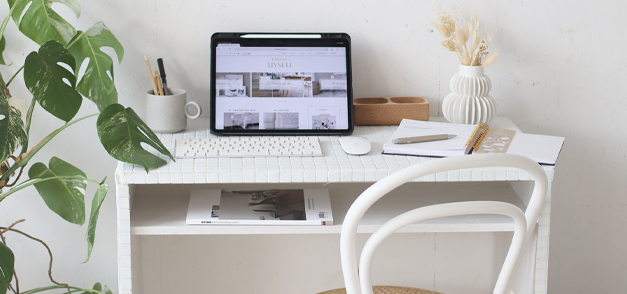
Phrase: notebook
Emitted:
{"points": [[541, 148], [281, 84]]}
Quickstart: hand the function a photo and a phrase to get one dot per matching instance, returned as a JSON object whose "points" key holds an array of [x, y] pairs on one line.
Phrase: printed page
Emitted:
{"points": [[260, 207], [413, 128]]}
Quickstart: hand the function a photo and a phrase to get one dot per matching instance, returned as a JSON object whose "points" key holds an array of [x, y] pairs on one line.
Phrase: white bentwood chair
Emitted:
{"points": [[358, 281]]}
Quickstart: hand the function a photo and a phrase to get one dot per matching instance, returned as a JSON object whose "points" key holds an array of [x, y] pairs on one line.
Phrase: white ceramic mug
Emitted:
{"points": [[169, 113]]}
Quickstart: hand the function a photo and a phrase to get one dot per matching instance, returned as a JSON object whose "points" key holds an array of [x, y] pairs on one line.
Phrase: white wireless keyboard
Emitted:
{"points": [[247, 147]]}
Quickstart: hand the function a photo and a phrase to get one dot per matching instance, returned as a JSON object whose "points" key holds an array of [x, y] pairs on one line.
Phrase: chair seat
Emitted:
{"points": [[387, 290]]}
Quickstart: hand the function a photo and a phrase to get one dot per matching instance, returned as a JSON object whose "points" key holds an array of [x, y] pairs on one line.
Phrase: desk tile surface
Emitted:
{"points": [[334, 166]]}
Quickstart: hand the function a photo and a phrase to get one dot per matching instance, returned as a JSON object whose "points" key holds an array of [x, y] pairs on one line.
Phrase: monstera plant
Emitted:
{"points": [[53, 76]]}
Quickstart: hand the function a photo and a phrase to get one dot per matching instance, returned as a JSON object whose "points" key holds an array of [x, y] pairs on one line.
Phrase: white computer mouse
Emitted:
{"points": [[354, 145]]}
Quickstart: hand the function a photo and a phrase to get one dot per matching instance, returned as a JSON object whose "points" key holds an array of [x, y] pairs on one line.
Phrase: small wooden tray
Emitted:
{"points": [[389, 111]]}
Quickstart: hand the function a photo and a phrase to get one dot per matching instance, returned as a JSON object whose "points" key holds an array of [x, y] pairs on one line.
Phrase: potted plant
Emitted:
{"points": [[51, 74]]}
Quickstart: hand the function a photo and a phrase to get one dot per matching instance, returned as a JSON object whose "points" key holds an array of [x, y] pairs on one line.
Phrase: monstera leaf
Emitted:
{"points": [[12, 134], [121, 132], [7, 262], [96, 84], [44, 78], [98, 287], [41, 23], [101, 193], [64, 192]]}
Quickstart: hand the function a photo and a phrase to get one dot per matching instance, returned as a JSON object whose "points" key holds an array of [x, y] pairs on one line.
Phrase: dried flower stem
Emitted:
{"points": [[457, 36]]}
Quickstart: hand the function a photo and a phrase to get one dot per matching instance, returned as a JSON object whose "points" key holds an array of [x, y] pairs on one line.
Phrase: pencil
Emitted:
{"points": [[152, 79], [158, 82]]}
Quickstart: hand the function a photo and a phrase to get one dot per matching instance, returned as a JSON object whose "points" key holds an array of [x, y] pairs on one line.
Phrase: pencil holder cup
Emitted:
{"points": [[169, 113]]}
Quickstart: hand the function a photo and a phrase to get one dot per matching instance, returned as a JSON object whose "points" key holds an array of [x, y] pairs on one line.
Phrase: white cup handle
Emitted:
{"points": [[197, 107]]}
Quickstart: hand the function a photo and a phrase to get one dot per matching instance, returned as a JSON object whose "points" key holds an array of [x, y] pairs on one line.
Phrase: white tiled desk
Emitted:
{"points": [[155, 244]]}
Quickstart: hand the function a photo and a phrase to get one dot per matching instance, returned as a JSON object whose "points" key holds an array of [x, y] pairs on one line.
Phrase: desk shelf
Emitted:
{"points": [[152, 209], [162, 211]]}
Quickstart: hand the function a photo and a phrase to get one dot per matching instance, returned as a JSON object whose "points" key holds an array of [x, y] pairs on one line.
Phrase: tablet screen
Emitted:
{"points": [[281, 85]]}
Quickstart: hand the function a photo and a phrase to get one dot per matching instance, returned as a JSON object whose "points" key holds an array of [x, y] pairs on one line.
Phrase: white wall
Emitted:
{"points": [[561, 72]]}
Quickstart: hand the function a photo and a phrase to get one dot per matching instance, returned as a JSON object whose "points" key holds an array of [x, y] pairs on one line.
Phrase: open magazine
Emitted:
{"points": [[260, 207]]}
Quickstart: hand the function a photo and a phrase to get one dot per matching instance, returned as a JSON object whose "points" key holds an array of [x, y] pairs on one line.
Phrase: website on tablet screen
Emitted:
{"points": [[272, 88]]}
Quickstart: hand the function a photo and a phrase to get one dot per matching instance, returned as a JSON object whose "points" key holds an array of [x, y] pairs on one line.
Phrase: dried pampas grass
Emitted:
{"points": [[457, 36], [489, 60]]}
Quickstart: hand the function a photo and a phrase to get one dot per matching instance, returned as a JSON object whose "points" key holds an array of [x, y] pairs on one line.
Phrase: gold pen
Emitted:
{"points": [[418, 139]]}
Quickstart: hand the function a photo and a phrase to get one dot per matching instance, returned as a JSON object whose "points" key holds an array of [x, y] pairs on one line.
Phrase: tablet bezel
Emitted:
{"points": [[282, 40]]}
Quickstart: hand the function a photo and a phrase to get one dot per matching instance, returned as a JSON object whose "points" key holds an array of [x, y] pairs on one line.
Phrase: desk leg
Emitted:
{"points": [[524, 279], [123, 203], [542, 255]]}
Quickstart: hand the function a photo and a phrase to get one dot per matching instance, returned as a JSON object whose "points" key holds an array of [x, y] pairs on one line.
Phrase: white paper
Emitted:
{"points": [[413, 128], [541, 148]]}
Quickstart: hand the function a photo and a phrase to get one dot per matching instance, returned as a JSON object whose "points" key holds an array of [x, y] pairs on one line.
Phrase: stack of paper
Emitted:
{"points": [[543, 149]]}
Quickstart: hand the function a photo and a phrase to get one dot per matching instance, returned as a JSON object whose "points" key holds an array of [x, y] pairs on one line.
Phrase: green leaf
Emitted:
{"points": [[12, 134], [101, 193], [98, 287], [96, 84], [106, 290], [64, 196], [7, 262], [3, 44], [121, 132], [45, 79], [40, 23]]}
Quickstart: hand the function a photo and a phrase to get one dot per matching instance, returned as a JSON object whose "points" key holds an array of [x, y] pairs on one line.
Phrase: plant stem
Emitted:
{"points": [[29, 116], [5, 22], [72, 290], [13, 77], [26, 156], [42, 243], [6, 19], [10, 227], [31, 182]]}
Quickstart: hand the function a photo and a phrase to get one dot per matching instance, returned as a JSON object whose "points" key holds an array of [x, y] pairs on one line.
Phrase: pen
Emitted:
{"points": [[469, 150], [164, 84], [477, 136], [418, 139], [152, 79]]}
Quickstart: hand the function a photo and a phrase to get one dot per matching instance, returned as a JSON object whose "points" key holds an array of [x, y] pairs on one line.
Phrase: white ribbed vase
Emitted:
{"points": [[469, 103]]}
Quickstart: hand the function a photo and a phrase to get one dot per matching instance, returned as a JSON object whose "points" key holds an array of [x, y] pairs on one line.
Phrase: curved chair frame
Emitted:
{"points": [[391, 182]]}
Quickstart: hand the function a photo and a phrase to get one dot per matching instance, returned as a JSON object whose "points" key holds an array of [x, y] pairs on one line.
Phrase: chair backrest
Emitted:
{"points": [[524, 226]]}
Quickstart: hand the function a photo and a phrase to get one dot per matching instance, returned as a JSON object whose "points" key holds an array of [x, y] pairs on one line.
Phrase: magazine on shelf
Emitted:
{"points": [[282, 207]]}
